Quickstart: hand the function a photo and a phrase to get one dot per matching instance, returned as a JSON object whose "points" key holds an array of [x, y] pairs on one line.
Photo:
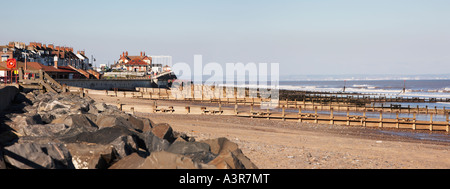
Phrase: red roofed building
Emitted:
{"points": [[137, 65], [141, 63], [62, 72]]}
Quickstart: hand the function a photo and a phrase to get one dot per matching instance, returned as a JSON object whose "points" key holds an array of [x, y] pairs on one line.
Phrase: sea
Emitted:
{"points": [[423, 88], [388, 88]]}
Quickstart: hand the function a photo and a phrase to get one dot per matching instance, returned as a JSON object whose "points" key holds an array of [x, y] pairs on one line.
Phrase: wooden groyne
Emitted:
{"points": [[246, 107], [354, 98]]}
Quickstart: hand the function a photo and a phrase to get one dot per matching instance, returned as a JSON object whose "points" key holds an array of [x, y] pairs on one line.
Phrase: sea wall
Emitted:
{"points": [[7, 95], [107, 84]]}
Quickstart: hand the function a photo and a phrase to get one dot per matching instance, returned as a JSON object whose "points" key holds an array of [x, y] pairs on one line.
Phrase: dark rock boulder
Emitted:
{"points": [[92, 156], [188, 147], [164, 131], [229, 155], [126, 145], [47, 130], [2, 160], [124, 141], [199, 152], [38, 156], [133, 161], [159, 160], [153, 143], [79, 123], [101, 136]]}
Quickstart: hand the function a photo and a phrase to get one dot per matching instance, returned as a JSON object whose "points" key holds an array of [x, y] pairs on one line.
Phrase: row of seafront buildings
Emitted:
{"points": [[62, 62], [138, 65], [58, 61]]}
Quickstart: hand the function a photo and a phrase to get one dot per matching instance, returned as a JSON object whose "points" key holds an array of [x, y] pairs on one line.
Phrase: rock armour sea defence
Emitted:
{"points": [[65, 131]]}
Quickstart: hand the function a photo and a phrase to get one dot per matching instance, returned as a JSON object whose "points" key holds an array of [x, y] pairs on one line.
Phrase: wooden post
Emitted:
{"points": [[315, 115], [364, 118], [283, 113], [132, 110], [446, 119], [81, 92], [397, 125], [381, 119], [414, 121], [331, 116], [235, 109], [348, 115], [431, 122], [119, 106], [220, 107], [154, 106], [188, 109]]}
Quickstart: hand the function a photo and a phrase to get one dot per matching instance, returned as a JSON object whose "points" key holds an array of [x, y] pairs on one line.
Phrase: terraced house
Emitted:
{"points": [[47, 55]]}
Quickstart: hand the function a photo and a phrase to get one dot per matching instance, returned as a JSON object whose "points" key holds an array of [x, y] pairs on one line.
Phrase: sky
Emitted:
{"points": [[305, 37]]}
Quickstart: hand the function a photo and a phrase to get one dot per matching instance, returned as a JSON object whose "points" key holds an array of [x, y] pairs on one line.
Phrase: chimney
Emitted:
{"points": [[123, 54], [141, 53], [127, 53], [55, 59]]}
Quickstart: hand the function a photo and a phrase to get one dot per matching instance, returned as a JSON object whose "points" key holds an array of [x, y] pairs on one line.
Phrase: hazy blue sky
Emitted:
{"points": [[305, 37]]}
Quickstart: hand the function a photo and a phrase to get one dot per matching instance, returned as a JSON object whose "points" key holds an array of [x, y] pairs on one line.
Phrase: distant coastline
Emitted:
{"points": [[363, 77]]}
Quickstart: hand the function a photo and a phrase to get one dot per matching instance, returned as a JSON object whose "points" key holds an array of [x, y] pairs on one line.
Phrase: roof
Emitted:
{"points": [[136, 61]]}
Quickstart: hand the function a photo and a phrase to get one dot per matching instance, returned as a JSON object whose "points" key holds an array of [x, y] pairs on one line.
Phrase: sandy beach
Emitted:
{"points": [[275, 144]]}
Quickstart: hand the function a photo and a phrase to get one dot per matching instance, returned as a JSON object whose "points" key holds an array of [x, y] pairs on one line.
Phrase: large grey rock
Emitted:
{"points": [[47, 130], [123, 140], [126, 145], [159, 160], [153, 143], [101, 136], [164, 131], [199, 152], [123, 120], [20, 123], [133, 161], [79, 123], [38, 156], [92, 156], [2, 160], [188, 147], [100, 106], [229, 155], [104, 121]]}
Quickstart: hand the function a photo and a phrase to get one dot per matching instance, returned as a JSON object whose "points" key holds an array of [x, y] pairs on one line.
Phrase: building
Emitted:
{"points": [[136, 65], [45, 54], [58, 61], [141, 63]]}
